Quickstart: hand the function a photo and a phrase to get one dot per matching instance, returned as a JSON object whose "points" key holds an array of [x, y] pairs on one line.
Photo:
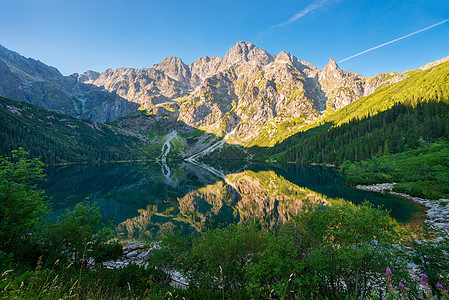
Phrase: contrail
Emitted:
{"points": [[395, 40], [309, 8]]}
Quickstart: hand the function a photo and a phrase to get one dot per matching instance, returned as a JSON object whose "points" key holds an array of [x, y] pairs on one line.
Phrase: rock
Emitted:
{"points": [[132, 247], [142, 255], [132, 254]]}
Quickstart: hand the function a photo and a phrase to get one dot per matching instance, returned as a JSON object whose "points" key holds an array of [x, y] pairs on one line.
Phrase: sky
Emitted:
{"points": [[75, 36]]}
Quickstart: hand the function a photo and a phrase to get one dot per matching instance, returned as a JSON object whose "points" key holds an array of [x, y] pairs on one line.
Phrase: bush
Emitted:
{"points": [[79, 233], [220, 257], [171, 253], [5, 261], [22, 205], [337, 251], [107, 251], [432, 259]]}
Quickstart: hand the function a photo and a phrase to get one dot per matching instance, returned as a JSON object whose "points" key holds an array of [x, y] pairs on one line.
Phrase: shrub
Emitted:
{"points": [[219, 258], [79, 233], [336, 251], [22, 205]]}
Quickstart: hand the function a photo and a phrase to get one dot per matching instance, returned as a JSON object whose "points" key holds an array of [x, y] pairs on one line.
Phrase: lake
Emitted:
{"points": [[144, 199]]}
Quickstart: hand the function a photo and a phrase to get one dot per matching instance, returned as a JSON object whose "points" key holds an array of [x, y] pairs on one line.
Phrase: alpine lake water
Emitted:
{"points": [[144, 199]]}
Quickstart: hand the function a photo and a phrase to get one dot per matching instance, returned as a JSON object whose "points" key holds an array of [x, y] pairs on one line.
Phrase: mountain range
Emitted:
{"points": [[249, 97], [249, 90]]}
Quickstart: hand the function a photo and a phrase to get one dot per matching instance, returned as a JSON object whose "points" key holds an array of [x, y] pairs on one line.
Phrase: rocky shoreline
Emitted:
{"points": [[437, 213]]}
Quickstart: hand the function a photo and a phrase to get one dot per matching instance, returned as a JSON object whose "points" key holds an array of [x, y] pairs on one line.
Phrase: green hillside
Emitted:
{"points": [[422, 172], [400, 117], [58, 138]]}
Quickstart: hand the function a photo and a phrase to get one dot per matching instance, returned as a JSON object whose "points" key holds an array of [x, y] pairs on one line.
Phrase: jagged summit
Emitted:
{"points": [[204, 67], [243, 52], [175, 68], [169, 61], [88, 77], [332, 65], [285, 57]]}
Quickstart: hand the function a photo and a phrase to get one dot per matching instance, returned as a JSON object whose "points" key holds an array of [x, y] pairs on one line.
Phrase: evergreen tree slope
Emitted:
{"points": [[397, 118], [58, 138]]}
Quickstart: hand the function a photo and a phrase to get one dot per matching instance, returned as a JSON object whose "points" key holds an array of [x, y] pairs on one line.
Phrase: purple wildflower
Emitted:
{"points": [[421, 298], [401, 285], [383, 298], [296, 297], [440, 286], [422, 282], [388, 270], [311, 294], [424, 276]]}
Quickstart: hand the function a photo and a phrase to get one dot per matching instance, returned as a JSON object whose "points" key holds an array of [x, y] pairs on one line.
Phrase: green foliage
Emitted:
{"points": [[334, 252], [396, 130], [22, 205], [5, 261], [220, 257], [66, 282], [106, 250], [422, 172], [227, 152], [81, 234], [76, 235], [432, 259], [170, 254], [58, 138], [339, 251]]}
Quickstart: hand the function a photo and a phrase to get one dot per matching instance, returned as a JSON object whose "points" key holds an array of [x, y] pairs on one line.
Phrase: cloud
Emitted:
{"points": [[309, 8], [394, 41]]}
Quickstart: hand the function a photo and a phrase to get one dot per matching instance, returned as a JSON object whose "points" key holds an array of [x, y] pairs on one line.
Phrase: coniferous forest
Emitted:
{"points": [[58, 138]]}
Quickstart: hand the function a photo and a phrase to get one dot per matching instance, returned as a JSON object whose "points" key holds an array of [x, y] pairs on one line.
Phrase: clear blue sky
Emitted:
{"points": [[75, 36]]}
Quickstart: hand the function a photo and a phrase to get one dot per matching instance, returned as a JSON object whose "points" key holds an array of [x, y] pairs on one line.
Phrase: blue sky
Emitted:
{"points": [[75, 36]]}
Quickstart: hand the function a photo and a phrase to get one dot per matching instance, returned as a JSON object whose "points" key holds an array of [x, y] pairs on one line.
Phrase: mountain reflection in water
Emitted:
{"points": [[142, 201]]}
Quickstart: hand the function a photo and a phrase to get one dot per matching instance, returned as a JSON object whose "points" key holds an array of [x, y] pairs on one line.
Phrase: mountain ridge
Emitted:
{"points": [[254, 94]]}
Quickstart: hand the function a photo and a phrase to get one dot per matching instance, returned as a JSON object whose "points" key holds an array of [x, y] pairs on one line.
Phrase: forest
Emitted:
{"points": [[58, 138]]}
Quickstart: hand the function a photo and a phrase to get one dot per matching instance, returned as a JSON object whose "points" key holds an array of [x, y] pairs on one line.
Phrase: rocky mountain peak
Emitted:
{"points": [[285, 57], [304, 67], [174, 68], [88, 76], [203, 68], [331, 65], [246, 52]]}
